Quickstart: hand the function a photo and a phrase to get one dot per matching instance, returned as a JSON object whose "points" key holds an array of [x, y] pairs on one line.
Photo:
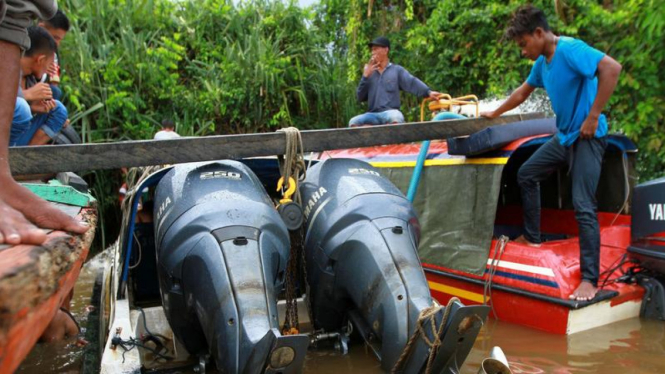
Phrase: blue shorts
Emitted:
{"points": [[379, 118]]}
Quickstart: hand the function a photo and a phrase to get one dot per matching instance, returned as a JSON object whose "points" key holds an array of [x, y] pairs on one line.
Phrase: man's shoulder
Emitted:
{"points": [[538, 64], [572, 45]]}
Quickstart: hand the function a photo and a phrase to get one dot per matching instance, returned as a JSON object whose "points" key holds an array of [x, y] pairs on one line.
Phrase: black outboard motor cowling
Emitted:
{"points": [[363, 265], [222, 251], [647, 230]]}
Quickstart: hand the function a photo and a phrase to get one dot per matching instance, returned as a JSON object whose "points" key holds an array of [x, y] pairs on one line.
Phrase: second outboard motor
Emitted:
{"points": [[363, 266], [222, 251], [647, 234], [647, 229]]}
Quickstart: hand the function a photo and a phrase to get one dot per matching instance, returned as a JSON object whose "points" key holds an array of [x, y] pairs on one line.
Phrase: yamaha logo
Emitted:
{"points": [[657, 212]]}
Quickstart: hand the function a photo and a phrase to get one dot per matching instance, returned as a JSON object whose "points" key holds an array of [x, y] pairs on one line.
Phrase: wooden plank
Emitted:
{"points": [[33, 282], [81, 157], [59, 193]]}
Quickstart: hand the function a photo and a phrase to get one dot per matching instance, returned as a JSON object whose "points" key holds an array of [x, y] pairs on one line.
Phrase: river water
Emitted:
{"points": [[631, 346]]}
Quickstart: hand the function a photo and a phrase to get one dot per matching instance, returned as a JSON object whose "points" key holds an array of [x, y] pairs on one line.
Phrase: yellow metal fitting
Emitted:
{"points": [[286, 195]]}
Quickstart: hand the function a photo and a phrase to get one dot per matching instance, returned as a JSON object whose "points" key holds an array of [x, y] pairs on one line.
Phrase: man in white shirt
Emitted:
{"points": [[167, 131]]}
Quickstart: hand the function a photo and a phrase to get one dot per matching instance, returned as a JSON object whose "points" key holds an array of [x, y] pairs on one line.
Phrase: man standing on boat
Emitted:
{"points": [[380, 85], [579, 81], [20, 209]]}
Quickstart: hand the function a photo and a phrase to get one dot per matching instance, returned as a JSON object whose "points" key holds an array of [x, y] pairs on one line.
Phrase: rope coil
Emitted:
{"points": [[292, 167], [487, 288], [426, 315]]}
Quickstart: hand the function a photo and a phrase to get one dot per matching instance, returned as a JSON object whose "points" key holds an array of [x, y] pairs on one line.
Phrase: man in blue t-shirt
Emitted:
{"points": [[579, 80]]}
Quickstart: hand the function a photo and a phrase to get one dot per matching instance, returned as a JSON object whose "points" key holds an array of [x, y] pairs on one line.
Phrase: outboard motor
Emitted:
{"points": [[363, 267], [222, 251], [647, 229], [647, 237]]}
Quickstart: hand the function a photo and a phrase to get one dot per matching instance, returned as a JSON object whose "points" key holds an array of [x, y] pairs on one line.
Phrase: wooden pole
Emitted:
{"points": [[82, 157]]}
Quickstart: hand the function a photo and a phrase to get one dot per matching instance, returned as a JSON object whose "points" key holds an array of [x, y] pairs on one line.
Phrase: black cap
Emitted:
{"points": [[381, 41]]}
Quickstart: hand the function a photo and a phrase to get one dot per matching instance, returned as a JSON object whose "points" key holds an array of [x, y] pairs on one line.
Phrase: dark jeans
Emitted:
{"points": [[586, 156], [57, 92]]}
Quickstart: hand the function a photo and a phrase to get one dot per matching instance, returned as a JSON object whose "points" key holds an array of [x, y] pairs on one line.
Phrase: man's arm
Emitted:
{"points": [[608, 76], [362, 91], [516, 98], [363, 87], [411, 84]]}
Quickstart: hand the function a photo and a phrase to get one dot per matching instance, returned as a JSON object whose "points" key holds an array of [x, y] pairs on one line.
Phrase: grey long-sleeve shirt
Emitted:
{"points": [[17, 15], [382, 90]]}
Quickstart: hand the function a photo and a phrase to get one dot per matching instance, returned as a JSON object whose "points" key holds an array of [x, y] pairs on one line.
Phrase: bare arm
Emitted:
{"points": [[363, 87], [40, 91], [608, 76], [516, 98]]}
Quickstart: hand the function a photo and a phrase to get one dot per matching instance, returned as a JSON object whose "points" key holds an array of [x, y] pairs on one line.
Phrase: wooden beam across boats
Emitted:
{"points": [[81, 157]]}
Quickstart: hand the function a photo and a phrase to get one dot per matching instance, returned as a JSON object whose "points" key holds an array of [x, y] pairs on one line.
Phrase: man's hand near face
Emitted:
{"points": [[370, 68]]}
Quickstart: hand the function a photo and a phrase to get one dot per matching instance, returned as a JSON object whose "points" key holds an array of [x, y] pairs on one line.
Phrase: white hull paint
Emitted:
{"points": [[600, 314]]}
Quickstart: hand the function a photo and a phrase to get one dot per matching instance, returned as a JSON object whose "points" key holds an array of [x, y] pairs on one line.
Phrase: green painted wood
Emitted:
{"points": [[82, 157], [57, 192]]}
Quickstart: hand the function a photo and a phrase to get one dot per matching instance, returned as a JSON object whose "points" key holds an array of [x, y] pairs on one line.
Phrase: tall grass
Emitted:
{"points": [[213, 67]]}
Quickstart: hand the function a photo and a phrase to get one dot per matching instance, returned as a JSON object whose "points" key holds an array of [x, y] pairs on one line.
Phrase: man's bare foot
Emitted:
{"points": [[523, 240], [24, 213], [586, 291]]}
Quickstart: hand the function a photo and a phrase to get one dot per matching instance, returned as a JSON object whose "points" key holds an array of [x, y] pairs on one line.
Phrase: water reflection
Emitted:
{"points": [[630, 346]]}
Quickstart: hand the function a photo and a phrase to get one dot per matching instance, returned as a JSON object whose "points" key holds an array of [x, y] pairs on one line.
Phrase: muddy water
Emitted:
{"points": [[65, 356], [631, 346]]}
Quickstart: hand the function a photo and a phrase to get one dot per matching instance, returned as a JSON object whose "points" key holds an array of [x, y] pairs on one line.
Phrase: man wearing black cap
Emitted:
{"points": [[380, 85]]}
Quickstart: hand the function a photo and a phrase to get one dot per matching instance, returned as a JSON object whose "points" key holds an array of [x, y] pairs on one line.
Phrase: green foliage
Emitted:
{"points": [[457, 46], [213, 67]]}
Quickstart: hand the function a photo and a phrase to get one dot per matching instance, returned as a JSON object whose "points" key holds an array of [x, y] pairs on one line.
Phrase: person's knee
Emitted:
{"points": [[356, 121], [57, 119], [57, 92], [60, 110], [524, 176], [397, 117], [585, 210]]}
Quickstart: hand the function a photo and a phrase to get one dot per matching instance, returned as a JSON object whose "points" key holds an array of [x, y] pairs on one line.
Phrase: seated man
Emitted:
{"points": [[380, 85], [58, 27], [37, 98]]}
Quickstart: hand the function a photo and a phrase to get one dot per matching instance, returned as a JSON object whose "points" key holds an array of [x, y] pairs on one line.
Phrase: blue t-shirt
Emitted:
{"points": [[571, 83]]}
